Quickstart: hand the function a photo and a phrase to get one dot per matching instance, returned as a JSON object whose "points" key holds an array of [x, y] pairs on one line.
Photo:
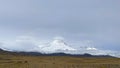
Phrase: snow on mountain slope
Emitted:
{"points": [[91, 48], [56, 45]]}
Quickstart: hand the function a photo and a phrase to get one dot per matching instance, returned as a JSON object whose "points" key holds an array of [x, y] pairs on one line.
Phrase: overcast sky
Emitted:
{"points": [[78, 21]]}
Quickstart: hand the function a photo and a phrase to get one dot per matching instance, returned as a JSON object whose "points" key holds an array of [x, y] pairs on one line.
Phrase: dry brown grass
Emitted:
{"points": [[9, 61]]}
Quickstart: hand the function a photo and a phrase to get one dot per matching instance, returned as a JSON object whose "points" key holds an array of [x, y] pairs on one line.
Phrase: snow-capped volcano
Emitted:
{"points": [[56, 46]]}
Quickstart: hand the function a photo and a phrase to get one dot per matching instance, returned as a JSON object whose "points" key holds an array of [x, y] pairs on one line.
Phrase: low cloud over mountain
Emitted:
{"points": [[30, 44]]}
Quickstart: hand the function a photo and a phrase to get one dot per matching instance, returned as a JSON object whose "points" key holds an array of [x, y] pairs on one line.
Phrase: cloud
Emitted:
{"points": [[59, 38], [22, 43], [1, 45]]}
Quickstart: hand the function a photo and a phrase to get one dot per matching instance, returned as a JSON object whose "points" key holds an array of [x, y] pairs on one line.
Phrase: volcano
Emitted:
{"points": [[57, 45]]}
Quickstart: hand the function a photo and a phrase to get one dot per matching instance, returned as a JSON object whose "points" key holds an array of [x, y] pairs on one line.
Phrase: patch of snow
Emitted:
{"points": [[57, 45]]}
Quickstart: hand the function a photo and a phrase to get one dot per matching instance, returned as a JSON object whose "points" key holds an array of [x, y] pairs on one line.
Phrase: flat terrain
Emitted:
{"points": [[14, 61]]}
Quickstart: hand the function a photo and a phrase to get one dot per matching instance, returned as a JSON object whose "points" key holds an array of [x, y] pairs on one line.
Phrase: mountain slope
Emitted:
{"points": [[57, 45], [9, 53]]}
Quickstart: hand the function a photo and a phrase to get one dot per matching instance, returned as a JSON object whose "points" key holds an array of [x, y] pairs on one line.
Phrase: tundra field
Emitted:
{"points": [[10, 61]]}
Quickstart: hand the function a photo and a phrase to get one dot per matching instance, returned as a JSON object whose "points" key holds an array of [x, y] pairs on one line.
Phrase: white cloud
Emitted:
{"points": [[22, 43], [59, 38]]}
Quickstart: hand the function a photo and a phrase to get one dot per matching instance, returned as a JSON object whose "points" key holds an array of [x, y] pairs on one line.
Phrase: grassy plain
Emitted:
{"points": [[19, 61]]}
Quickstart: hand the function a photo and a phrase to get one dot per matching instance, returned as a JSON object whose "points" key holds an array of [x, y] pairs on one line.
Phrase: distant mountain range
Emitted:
{"points": [[59, 47], [50, 54]]}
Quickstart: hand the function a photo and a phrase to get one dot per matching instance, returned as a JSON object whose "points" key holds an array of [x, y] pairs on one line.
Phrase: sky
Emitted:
{"points": [[80, 22]]}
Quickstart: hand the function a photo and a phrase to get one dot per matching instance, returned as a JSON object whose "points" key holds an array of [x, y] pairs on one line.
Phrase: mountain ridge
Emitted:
{"points": [[49, 54], [60, 46]]}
